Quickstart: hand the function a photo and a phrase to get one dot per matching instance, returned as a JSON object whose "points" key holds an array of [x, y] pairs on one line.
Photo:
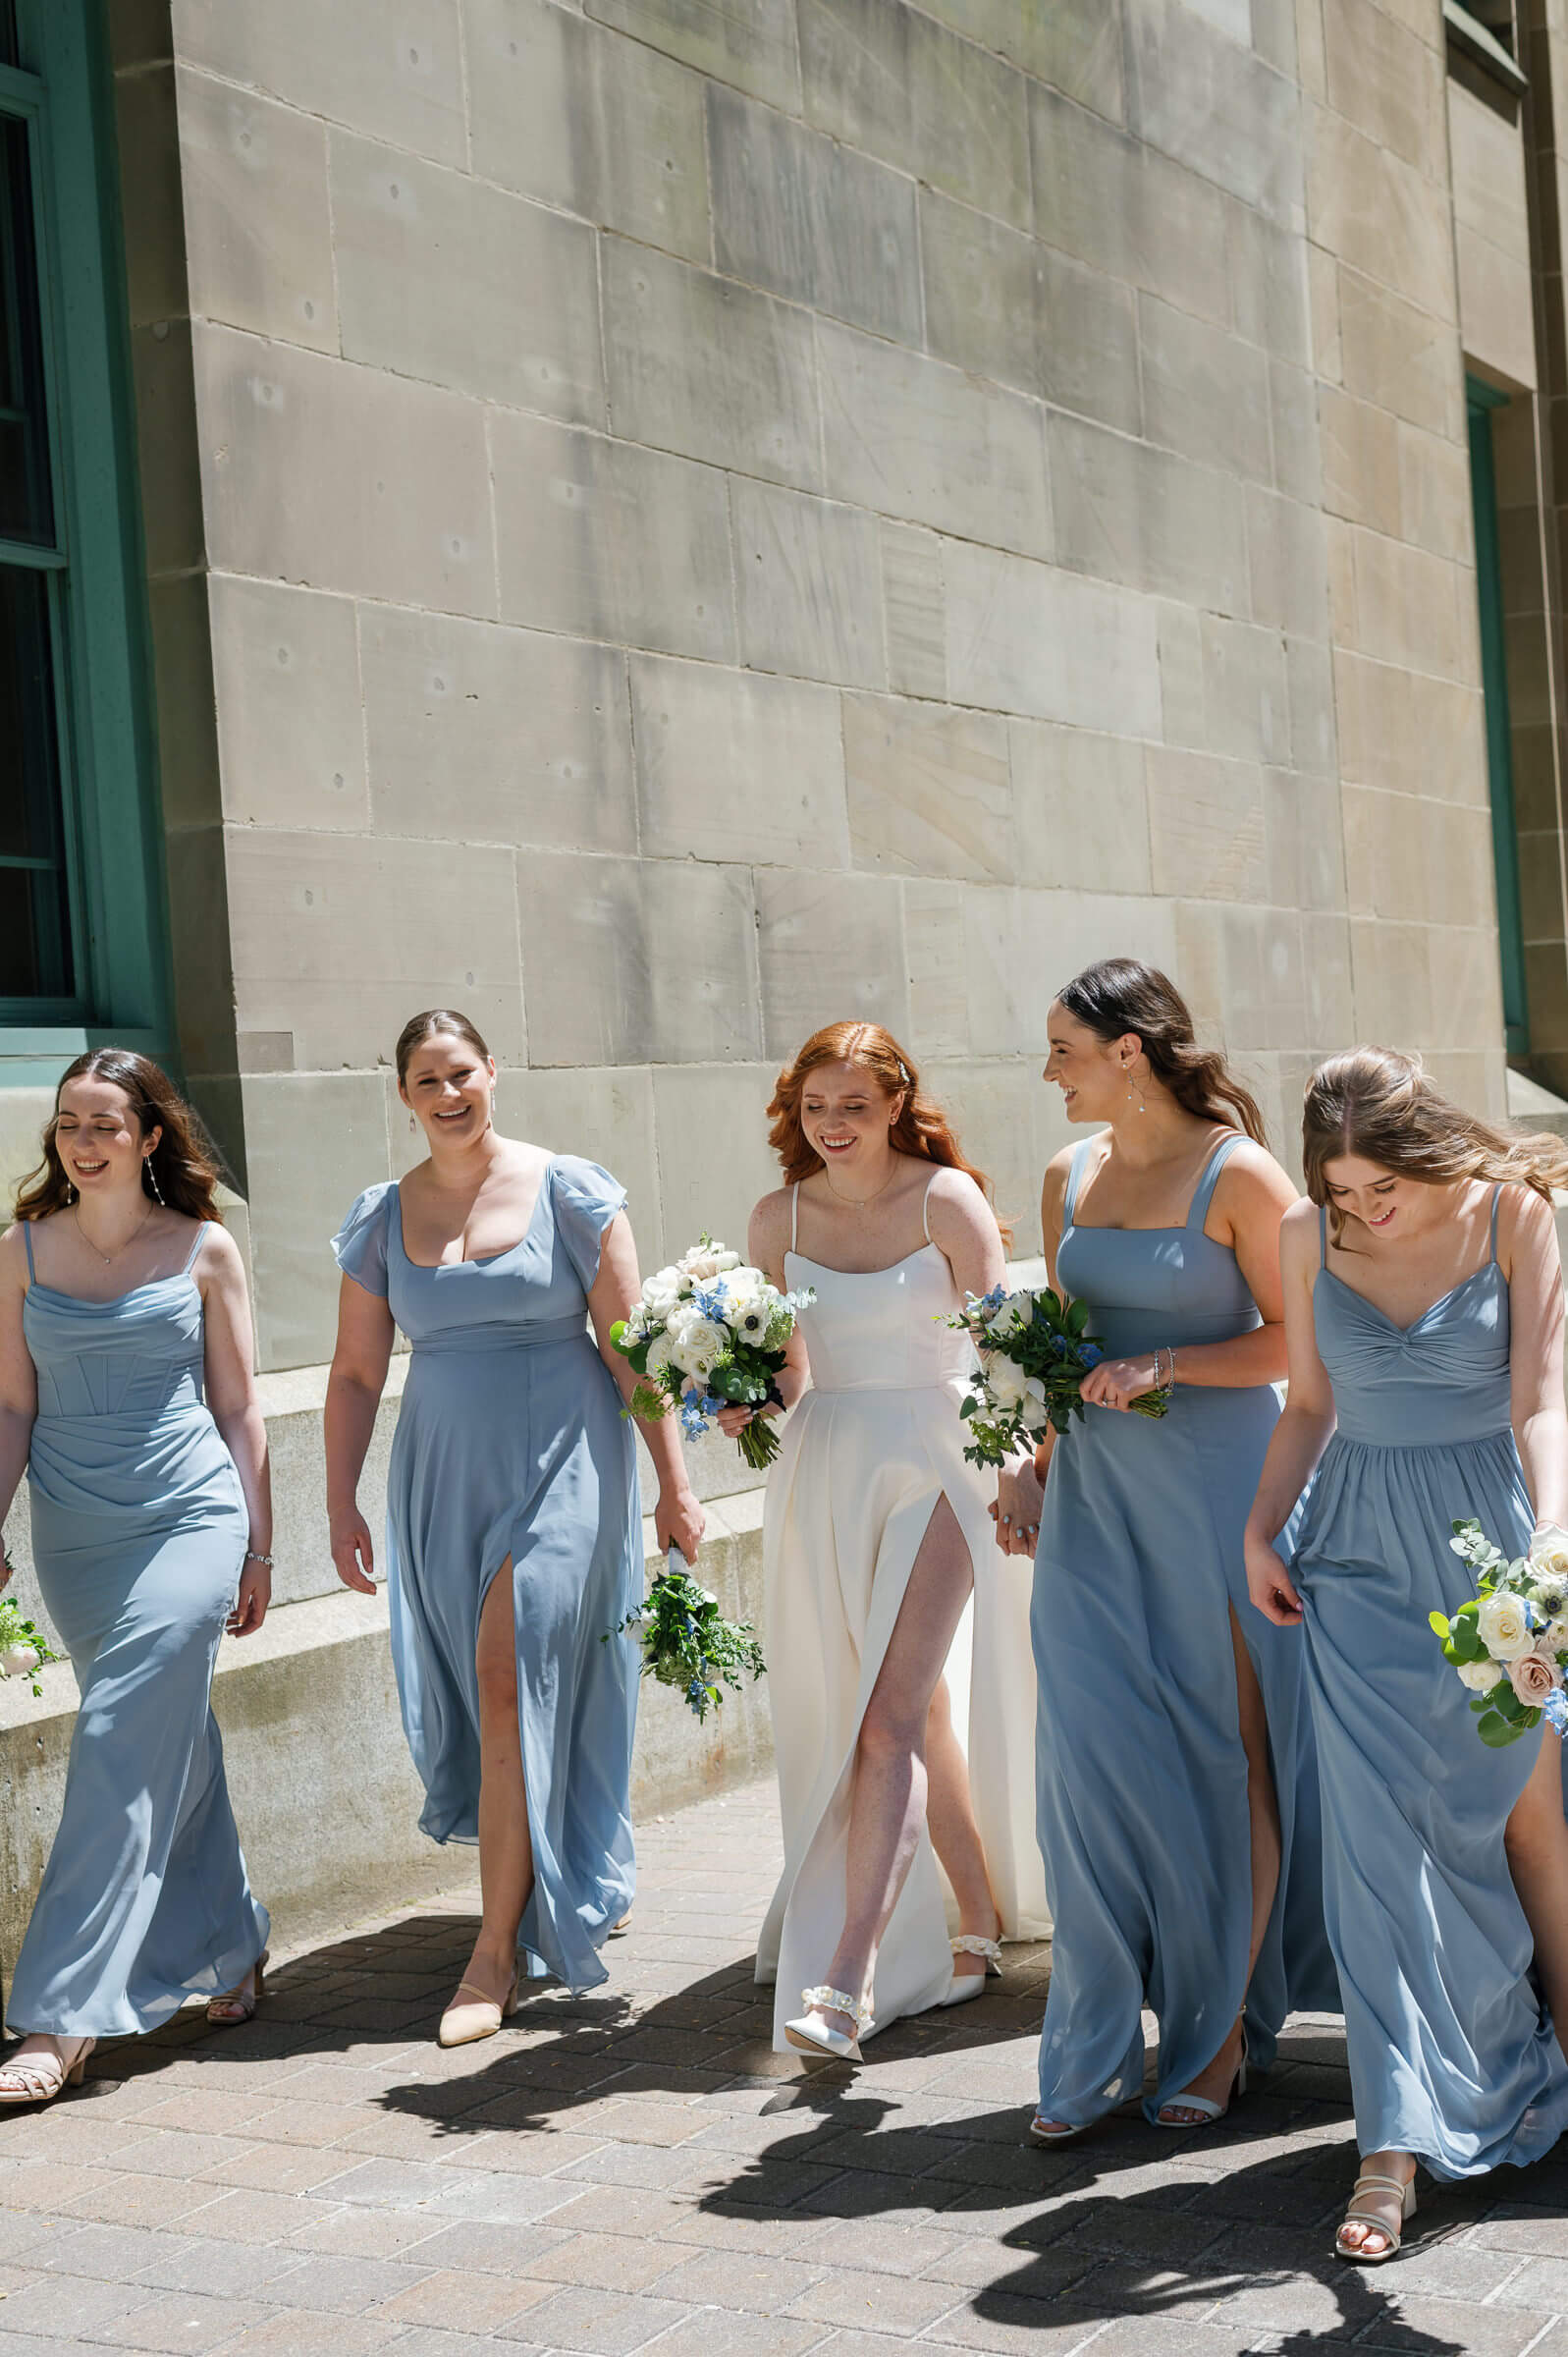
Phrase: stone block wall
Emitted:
{"points": [[674, 526]]}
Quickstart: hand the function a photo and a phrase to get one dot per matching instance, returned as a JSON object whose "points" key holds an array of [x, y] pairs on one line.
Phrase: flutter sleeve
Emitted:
{"points": [[586, 1201], [359, 1246]]}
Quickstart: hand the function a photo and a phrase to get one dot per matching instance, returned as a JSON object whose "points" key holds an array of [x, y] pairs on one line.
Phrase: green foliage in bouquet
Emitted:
{"points": [[687, 1643], [1509, 1641], [23, 1651], [1034, 1350]]}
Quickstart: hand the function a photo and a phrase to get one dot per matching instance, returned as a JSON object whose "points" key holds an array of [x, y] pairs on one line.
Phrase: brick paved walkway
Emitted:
{"points": [[637, 2169]]}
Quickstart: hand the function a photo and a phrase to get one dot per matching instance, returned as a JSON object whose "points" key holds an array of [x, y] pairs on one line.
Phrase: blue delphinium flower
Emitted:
{"points": [[1556, 1709], [712, 1303], [990, 1302], [693, 1422], [1091, 1353]]}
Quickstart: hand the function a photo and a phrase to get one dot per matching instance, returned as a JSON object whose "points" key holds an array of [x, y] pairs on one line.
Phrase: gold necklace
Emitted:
{"points": [[859, 1202], [109, 1258]]}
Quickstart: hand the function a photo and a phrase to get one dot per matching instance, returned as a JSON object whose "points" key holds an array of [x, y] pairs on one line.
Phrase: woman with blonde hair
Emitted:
{"points": [[1424, 1314], [126, 1390], [1178, 1811], [876, 1534]]}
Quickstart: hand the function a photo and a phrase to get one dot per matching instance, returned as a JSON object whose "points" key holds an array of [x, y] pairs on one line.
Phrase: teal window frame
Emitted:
{"points": [[107, 748], [1480, 400]]}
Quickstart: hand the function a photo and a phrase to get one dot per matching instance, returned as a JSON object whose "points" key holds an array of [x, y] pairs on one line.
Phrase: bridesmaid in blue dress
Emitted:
{"points": [[1177, 1803], [126, 1390], [1425, 1316], [513, 1529]]}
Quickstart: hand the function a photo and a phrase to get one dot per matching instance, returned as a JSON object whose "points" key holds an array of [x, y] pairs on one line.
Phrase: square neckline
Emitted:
{"points": [[485, 1260], [184, 1276], [1182, 1227]]}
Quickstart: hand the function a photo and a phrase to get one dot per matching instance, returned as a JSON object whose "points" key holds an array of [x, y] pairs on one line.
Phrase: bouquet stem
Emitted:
{"points": [[758, 1443]]}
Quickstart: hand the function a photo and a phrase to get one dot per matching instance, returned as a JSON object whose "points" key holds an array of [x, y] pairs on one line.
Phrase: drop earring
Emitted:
{"points": [[412, 1124], [152, 1178]]}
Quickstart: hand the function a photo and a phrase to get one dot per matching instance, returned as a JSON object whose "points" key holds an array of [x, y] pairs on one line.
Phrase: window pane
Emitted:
{"points": [[26, 505], [35, 926]]}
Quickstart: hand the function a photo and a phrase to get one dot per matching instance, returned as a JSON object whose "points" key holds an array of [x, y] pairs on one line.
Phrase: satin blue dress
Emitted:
{"points": [[1142, 1773], [1452, 2054], [510, 1443], [139, 1535]]}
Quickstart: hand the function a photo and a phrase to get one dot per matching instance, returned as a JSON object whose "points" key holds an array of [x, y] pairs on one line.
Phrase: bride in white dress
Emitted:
{"points": [[905, 1862]]}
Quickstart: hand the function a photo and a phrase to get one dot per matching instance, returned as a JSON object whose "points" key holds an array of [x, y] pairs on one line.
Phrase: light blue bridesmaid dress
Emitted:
{"points": [[1452, 2056], [511, 1441], [139, 1535], [1142, 1775]]}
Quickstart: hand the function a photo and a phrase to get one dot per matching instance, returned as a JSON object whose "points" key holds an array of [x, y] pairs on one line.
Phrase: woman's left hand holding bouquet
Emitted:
{"points": [[1118, 1382]]}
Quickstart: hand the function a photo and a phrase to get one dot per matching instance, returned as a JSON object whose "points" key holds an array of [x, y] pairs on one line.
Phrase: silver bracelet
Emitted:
{"points": [[251, 1557]]}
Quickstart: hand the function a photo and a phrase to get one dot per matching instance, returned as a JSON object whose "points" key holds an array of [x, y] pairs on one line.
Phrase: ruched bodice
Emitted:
{"points": [[880, 1330], [1440, 1381]]}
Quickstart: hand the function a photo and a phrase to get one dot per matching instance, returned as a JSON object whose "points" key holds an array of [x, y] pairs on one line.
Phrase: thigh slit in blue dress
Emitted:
{"points": [[1452, 2054], [510, 1443], [1142, 1773], [139, 1535]]}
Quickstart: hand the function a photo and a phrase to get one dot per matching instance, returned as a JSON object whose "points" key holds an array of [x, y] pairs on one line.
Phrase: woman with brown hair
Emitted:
{"points": [[872, 1532], [1176, 1799], [1424, 1311], [514, 1528], [126, 1390]]}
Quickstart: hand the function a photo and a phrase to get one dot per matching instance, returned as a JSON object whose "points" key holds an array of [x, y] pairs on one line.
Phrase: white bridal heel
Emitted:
{"points": [[832, 2044], [1207, 2109], [1359, 2214], [965, 1985]]}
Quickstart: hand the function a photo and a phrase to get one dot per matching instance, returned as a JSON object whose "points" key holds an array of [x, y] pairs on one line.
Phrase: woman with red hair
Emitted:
{"points": [[873, 1529]]}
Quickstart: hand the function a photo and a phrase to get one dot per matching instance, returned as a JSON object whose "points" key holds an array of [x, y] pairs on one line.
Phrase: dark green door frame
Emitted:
{"points": [[64, 86], [1480, 400]]}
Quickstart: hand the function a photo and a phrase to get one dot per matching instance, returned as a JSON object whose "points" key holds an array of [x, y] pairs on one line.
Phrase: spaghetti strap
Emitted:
{"points": [[795, 1216], [1209, 1179], [1496, 1195], [190, 1256], [1323, 1235], [1080, 1155], [26, 1237], [925, 1206]]}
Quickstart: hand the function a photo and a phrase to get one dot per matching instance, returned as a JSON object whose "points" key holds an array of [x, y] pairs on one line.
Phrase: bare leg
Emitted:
{"points": [[1536, 1839], [1264, 1812], [887, 1804], [506, 1847], [954, 1834]]}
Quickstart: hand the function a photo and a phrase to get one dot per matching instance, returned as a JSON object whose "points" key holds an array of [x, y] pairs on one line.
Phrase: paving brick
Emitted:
{"points": [[183, 2321]]}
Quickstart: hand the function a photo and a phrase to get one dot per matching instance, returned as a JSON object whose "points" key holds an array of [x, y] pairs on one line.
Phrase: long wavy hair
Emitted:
{"points": [[182, 1161], [922, 1129], [1117, 995], [1378, 1103]]}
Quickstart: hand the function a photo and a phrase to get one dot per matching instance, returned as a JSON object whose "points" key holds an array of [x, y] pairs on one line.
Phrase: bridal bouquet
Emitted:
{"points": [[709, 1332], [23, 1651], [1509, 1641], [1034, 1351], [686, 1642]]}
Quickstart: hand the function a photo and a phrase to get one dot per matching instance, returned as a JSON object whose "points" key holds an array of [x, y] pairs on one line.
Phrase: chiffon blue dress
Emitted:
{"points": [[1452, 2054], [1142, 1773], [139, 1530], [510, 1443]]}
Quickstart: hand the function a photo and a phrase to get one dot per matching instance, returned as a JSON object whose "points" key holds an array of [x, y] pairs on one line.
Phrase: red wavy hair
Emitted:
{"points": [[922, 1129]]}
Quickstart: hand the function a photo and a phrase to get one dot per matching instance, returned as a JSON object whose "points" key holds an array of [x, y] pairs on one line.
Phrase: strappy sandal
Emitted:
{"points": [[1052, 2131], [1357, 2252], [1207, 2109], [39, 2078], [464, 2025], [236, 2005], [831, 2045], [965, 1985]]}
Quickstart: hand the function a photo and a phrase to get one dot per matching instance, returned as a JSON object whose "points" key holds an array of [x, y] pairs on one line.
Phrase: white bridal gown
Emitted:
{"points": [[864, 1457]]}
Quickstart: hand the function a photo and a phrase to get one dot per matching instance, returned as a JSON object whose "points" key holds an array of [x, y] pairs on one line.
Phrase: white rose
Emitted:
{"points": [[1012, 1387], [17, 1660], [704, 1262], [698, 1346], [1555, 1637], [1502, 1628], [1548, 1551], [657, 1358], [1481, 1676], [1016, 1305]]}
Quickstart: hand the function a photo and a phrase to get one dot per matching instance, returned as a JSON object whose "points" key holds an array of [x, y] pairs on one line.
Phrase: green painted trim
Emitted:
{"points": [[109, 753], [1481, 400]]}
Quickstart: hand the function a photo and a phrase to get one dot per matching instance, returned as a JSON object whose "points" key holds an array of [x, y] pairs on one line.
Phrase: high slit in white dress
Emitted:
{"points": [[863, 1459]]}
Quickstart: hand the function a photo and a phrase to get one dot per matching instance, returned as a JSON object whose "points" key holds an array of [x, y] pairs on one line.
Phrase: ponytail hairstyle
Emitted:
{"points": [[434, 1021], [182, 1161], [1117, 995], [1378, 1103], [922, 1129]]}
